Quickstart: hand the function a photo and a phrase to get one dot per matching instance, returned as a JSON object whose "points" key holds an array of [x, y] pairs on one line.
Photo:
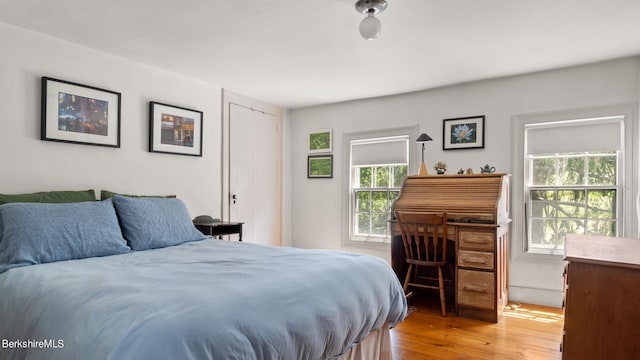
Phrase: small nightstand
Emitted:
{"points": [[219, 228]]}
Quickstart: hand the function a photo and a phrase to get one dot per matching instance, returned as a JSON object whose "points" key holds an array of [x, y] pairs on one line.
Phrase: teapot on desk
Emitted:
{"points": [[488, 169]]}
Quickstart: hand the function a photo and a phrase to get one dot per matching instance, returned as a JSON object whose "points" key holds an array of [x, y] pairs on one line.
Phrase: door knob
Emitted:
{"points": [[234, 197]]}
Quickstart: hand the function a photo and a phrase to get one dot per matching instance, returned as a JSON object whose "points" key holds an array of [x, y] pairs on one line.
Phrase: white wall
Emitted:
{"points": [[29, 164], [316, 216]]}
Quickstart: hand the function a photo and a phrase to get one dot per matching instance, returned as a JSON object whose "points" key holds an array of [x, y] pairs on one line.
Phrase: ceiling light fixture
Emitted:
{"points": [[370, 26]]}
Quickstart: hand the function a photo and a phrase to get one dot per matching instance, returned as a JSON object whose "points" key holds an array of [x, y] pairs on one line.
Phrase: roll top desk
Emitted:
{"points": [[477, 207]]}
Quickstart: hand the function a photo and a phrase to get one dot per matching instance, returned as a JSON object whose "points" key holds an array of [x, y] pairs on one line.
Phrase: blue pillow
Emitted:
{"points": [[37, 233], [149, 223]]}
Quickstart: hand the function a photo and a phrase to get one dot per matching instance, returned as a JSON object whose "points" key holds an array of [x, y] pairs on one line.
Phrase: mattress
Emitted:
{"points": [[206, 299]]}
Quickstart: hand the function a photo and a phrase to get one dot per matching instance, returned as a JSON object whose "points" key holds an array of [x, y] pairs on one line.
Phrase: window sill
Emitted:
{"points": [[546, 252], [370, 243]]}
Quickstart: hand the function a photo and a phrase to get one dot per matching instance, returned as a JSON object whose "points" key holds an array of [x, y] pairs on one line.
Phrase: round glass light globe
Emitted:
{"points": [[370, 27]]}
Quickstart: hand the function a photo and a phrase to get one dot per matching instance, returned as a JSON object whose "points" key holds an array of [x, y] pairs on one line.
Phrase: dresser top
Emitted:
{"points": [[612, 251]]}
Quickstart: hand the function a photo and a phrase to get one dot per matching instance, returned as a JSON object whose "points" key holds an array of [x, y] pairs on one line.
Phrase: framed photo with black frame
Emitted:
{"points": [[174, 130], [319, 166], [463, 133], [82, 114]]}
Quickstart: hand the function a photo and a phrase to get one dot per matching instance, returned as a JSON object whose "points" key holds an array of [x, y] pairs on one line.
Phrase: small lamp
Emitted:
{"points": [[423, 138]]}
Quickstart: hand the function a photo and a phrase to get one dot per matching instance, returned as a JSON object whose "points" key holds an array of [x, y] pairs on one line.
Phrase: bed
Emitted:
{"points": [[131, 278]]}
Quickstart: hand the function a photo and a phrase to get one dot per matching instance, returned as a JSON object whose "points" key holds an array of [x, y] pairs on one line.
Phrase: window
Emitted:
{"points": [[572, 179], [571, 193], [377, 164], [374, 190]]}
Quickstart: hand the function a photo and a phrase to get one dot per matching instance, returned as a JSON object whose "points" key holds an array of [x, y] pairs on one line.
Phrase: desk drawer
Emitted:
{"points": [[476, 240], [475, 259], [476, 288]]}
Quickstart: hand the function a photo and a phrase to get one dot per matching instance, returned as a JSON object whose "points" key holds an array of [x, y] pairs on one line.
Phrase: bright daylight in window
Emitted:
{"points": [[378, 168], [571, 192]]}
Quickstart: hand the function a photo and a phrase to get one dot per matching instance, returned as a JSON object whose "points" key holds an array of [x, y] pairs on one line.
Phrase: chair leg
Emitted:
{"points": [[453, 280], [406, 279], [441, 285]]}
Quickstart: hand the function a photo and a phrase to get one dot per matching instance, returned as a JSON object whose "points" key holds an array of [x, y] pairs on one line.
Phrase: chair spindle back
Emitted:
{"points": [[424, 236]]}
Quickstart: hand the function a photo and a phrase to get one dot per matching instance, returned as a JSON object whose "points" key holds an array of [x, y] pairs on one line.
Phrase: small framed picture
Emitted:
{"points": [[463, 133], [319, 166], [174, 130], [320, 141], [81, 114]]}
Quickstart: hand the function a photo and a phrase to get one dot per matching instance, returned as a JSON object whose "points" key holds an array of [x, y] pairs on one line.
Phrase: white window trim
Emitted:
{"points": [[413, 132], [627, 172]]}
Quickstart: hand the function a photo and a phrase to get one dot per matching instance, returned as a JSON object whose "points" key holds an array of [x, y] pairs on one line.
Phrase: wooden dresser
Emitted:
{"points": [[477, 207], [602, 298]]}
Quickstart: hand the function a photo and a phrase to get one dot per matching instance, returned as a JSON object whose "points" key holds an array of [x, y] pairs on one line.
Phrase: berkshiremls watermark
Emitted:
{"points": [[32, 344]]}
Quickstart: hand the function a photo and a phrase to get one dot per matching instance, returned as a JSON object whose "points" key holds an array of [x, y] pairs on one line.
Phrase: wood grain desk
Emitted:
{"points": [[477, 208], [481, 267]]}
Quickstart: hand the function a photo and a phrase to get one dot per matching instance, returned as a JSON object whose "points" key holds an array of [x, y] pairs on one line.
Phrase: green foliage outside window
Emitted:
{"points": [[573, 193], [377, 188]]}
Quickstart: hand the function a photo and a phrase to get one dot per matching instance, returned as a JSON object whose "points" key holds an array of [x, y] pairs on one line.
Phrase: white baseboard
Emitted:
{"points": [[536, 296]]}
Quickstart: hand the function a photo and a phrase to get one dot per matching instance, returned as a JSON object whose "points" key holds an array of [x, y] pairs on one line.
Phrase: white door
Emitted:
{"points": [[254, 170]]}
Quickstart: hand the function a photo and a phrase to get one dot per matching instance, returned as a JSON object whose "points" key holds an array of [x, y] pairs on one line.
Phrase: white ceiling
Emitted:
{"points": [[295, 53]]}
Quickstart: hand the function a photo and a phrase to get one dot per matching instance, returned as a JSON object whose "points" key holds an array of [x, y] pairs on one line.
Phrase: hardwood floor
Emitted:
{"points": [[523, 332]]}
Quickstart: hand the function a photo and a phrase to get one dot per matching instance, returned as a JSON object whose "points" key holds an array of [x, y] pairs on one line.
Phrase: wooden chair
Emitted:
{"points": [[424, 236]]}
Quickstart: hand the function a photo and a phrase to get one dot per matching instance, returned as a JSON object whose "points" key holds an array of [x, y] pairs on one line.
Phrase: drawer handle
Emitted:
{"points": [[474, 260], [475, 288], [477, 241]]}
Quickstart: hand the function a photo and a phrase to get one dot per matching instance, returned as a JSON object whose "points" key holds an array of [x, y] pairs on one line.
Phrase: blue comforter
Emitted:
{"points": [[209, 299]]}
